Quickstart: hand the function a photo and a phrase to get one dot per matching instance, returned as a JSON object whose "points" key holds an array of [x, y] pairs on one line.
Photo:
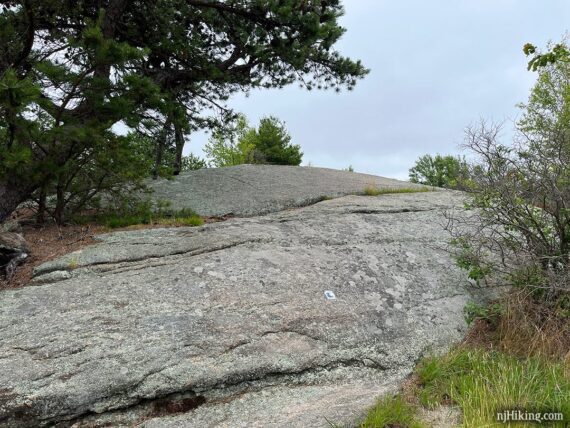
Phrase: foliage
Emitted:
{"points": [[349, 168], [392, 412], [519, 226], [70, 71], [239, 143], [228, 146], [113, 167], [483, 383], [271, 143], [467, 258], [490, 313], [439, 171], [557, 53], [193, 162], [162, 164]]}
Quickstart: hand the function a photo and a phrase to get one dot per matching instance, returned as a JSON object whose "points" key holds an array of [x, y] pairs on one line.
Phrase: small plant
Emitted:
{"points": [[467, 258], [372, 191], [73, 263], [491, 313], [192, 163]]}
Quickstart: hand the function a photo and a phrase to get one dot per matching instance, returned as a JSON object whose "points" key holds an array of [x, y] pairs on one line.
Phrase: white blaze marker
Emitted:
{"points": [[330, 295]]}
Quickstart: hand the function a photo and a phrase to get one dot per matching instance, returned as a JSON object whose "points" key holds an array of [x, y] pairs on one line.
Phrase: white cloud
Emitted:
{"points": [[436, 67]]}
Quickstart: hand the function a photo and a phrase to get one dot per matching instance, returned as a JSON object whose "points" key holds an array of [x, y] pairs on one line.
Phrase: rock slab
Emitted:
{"points": [[249, 190], [228, 324]]}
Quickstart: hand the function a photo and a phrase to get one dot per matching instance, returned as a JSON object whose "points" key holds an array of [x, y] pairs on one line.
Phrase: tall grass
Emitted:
{"points": [[392, 412], [372, 190], [143, 214], [483, 383]]}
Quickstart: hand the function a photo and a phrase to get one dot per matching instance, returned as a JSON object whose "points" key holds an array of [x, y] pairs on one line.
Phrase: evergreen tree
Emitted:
{"points": [[70, 71], [272, 144], [240, 143]]}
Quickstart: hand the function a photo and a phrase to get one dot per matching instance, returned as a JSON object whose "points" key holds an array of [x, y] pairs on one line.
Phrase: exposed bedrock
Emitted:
{"points": [[228, 324]]}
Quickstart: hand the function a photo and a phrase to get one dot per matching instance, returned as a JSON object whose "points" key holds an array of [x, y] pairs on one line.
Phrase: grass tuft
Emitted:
{"points": [[483, 383], [143, 214], [181, 221], [392, 412], [372, 190]]}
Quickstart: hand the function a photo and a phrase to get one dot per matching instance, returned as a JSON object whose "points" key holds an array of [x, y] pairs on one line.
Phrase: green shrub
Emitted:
{"points": [[490, 313], [192, 163], [517, 230], [439, 171], [238, 143]]}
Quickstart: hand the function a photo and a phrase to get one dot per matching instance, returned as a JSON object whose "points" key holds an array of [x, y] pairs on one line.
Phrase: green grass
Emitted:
{"points": [[483, 383], [375, 191], [144, 215], [392, 412], [181, 221]]}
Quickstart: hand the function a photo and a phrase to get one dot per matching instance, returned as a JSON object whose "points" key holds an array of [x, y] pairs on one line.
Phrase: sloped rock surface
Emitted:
{"points": [[228, 325], [249, 190]]}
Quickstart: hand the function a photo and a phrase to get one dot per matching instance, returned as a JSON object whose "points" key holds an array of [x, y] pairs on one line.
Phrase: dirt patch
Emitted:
{"points": [[51, 241], [441, 417], [47, 243], [482, 334]]}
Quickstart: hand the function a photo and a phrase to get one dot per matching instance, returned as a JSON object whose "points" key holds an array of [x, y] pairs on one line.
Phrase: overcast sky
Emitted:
{"points": [[436, 66]]}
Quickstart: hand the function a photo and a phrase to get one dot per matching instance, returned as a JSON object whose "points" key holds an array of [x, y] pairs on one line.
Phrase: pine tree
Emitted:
{"points": [[70, 71], [272, 144]]}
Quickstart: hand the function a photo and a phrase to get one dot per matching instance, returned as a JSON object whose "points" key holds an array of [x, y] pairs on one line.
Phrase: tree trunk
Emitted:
{"points": [[59, 204], [160, 148], [41, 215], [179, 137], [11, 195]]}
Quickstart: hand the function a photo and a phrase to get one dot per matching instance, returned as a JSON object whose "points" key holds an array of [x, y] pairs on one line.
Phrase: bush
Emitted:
{"points": [[271, 144], [239, 143], [525, 326], [228, 146], [193, 162], [439, 171], [518, 230], [490, 314]]}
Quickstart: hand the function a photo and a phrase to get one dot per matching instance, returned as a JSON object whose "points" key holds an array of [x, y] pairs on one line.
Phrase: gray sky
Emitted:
{"points": [[436, 66]]}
